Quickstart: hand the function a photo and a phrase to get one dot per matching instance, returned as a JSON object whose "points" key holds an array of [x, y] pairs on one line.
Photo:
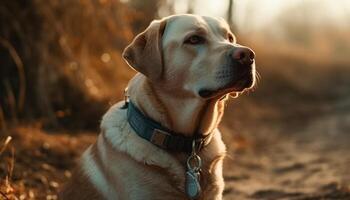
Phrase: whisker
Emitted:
{"points": [[258, 79], [258, 76]]}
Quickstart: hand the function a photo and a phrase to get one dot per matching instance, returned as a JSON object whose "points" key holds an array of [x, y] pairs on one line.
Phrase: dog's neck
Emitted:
{"points": [[185, 115]]}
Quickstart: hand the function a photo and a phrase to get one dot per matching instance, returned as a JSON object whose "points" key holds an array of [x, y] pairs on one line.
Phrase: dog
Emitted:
{"points": [[163, 141]]}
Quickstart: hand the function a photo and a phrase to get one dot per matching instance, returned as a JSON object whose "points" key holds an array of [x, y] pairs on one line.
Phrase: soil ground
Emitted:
{"points": [[306, 163], [283, 143]]}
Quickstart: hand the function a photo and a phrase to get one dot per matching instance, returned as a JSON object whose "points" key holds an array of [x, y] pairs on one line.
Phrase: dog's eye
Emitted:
{"points": [[195, 39], [230, 38]]}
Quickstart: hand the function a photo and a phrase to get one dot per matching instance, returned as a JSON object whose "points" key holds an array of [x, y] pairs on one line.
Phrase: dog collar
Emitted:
{"points": [[160, 136]]}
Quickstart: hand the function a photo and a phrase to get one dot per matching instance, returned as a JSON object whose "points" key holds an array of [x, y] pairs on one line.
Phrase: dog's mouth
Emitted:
{"points": [[244, 82]]}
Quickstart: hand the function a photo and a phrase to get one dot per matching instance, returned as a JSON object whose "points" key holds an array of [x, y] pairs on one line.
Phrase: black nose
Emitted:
{"points": [[244, 55]]}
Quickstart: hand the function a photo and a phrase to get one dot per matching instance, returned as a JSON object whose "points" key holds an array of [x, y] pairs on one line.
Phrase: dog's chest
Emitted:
{"points": [[122, 165]]}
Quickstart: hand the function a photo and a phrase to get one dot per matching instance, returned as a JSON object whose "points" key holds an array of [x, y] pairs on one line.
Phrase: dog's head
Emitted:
{"points": [[192, 55]]}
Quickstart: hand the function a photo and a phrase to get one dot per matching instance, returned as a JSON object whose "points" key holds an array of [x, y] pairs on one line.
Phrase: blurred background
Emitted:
{"points": [[61, 69]]}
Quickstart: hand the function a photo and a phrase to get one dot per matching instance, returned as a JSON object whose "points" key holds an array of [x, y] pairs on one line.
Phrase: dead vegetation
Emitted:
{"points": [[6, 190], [55, 52], [36, 163], [288, 139]]}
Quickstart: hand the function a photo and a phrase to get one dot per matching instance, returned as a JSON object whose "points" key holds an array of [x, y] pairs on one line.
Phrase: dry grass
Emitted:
{"points": [[6, 189], [42, 163], [63, 67], [60, 51]]}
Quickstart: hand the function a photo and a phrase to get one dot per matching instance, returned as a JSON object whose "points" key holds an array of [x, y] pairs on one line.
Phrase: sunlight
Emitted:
{"points": [[252, 15], [63, 71]]}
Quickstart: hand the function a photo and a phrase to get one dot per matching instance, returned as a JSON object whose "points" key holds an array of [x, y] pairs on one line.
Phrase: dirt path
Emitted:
{"points": [[306, 158], [289, 168], [311, 164]]}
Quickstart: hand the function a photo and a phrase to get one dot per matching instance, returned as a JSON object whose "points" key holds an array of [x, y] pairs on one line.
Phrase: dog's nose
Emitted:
{"points": [[244, 55]]}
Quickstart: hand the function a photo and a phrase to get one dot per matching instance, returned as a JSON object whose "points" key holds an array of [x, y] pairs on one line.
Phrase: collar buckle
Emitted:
{"points": [[159, 137]]}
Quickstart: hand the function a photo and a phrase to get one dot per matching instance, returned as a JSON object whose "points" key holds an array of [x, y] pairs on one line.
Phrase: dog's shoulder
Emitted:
{"points": [[114, 117], [79, 182], [116, 130]]}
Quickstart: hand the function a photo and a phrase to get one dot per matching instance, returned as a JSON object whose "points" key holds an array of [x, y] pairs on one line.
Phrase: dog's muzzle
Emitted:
{"points": [[238, 74]]}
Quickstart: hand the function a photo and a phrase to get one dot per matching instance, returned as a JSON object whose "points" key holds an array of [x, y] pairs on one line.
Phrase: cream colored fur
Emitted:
{"points": [[123, 166]]}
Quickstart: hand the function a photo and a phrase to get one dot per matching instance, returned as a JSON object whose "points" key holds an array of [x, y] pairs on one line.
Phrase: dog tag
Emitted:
{"points": [[193, 188], [194, 163]]}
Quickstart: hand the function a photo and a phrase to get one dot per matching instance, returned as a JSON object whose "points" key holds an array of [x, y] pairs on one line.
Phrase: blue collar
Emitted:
{"points": [[160, 136]]}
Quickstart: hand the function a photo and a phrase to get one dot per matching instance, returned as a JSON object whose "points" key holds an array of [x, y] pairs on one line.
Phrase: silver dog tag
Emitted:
{"points": [[194, 163], [193, 188]]}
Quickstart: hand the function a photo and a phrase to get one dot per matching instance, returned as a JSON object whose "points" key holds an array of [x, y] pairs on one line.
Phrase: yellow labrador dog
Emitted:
{"points": [[163, 142]]}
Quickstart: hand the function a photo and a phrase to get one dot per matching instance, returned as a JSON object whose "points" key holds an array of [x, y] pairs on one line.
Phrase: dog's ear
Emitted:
{"points": [[144, 54]]}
